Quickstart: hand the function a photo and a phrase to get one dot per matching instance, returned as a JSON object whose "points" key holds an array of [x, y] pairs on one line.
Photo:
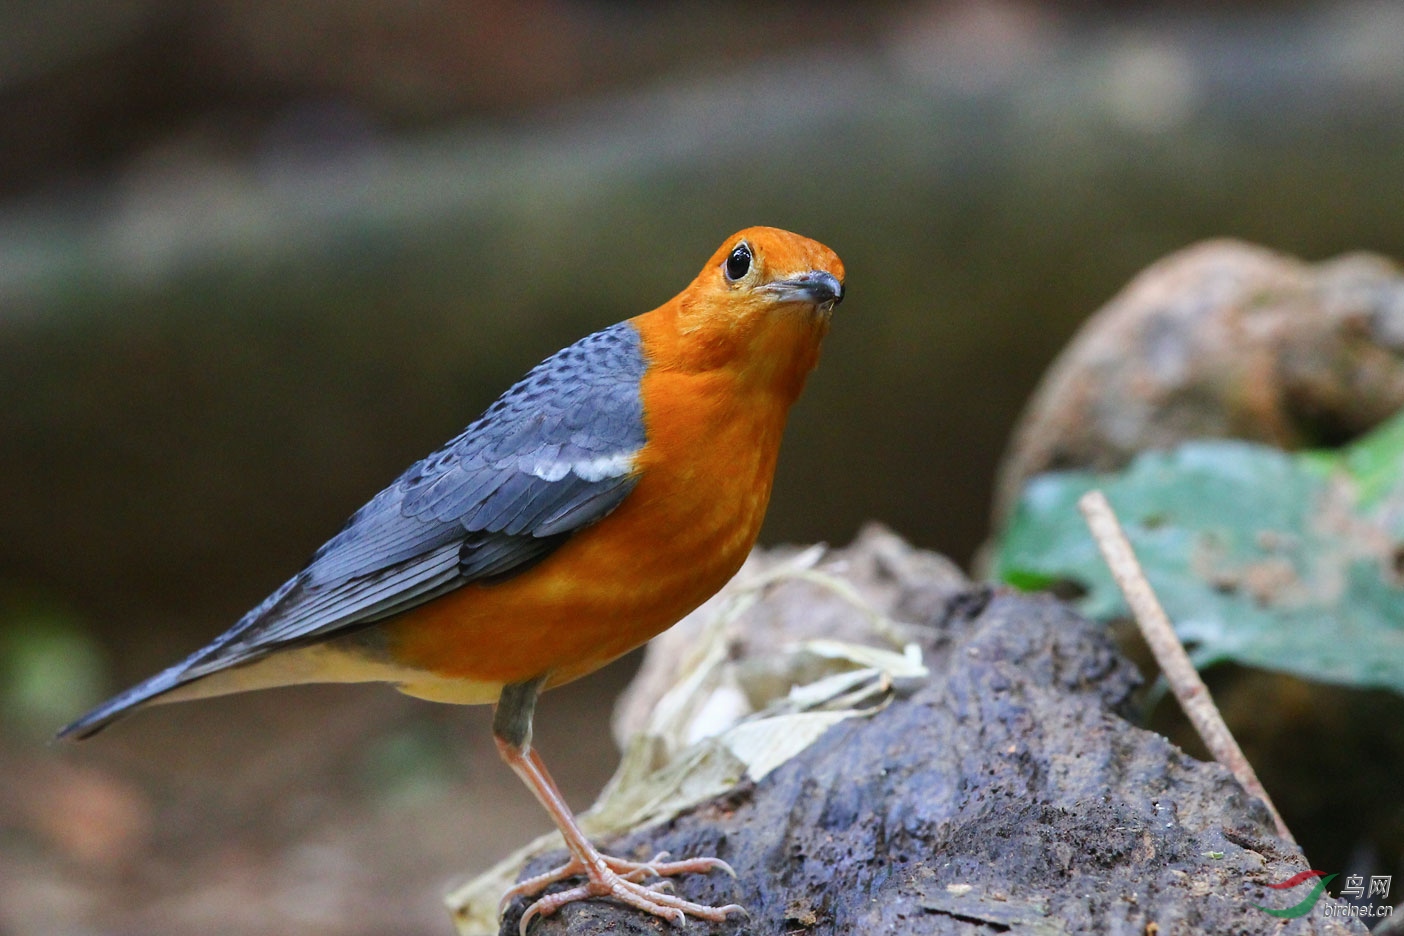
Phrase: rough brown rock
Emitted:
{"points": [[1007, 793], [1221, 340]]}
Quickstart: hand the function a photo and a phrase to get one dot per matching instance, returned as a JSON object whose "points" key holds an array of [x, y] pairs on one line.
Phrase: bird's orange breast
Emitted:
{"points": [[704, 481]]}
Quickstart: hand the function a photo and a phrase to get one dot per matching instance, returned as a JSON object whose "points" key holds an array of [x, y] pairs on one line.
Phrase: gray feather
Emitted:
{"points": [[551, 456]]}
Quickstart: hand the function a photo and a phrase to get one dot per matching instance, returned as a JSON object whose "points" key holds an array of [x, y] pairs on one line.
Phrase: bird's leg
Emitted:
{"points": [[605, 876]]}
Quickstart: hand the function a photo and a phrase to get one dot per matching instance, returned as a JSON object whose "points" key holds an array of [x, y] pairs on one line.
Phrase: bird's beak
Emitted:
{"points": [[816, 287]]}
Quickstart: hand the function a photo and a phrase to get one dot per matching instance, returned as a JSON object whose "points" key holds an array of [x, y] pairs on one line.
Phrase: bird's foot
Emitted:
{"points": [[622, 880]]}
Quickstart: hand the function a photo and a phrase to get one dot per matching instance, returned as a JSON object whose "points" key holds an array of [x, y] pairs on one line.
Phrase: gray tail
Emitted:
{"points": [[202, 662], [125, 703]]}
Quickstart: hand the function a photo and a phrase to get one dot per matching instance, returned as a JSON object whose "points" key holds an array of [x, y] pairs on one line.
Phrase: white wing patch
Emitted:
{"points": [[614, 465]]}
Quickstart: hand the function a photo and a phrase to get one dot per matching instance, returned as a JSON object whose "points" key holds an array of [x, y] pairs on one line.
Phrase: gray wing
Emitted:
{"points": [[553, 454]]}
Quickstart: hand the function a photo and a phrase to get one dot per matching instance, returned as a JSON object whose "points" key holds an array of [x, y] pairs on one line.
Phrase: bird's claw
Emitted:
{"points": [[622, 879]]}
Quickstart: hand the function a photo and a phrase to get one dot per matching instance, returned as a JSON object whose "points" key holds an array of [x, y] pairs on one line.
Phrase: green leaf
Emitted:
{"points": [[1282, 561]]}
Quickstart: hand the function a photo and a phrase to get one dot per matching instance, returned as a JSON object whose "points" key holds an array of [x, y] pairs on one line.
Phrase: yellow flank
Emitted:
{"points": [[339, 660]]}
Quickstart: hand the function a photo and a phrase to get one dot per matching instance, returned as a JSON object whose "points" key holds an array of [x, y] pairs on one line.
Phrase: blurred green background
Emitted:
{"points": [[256, 257]]}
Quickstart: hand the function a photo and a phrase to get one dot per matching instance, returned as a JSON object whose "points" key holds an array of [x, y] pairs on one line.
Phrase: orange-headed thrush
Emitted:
{"points": [[613, 489]]}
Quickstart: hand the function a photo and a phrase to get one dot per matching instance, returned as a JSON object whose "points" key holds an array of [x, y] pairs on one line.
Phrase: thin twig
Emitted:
{"points": [[1169, 653]]}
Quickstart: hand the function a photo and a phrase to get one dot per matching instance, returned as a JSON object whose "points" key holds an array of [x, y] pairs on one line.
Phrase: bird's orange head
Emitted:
{"points": [[759, 309]]}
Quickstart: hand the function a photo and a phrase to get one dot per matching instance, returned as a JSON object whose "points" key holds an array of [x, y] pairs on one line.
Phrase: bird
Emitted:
{"points": [[600, 499]]}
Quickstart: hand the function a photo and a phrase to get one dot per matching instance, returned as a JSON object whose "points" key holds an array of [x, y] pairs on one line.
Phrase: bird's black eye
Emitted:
{"points": [[739, 263]]}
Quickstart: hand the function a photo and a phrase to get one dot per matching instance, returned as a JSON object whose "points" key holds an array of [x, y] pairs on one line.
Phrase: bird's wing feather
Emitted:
{"points": [[554, 454]]}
